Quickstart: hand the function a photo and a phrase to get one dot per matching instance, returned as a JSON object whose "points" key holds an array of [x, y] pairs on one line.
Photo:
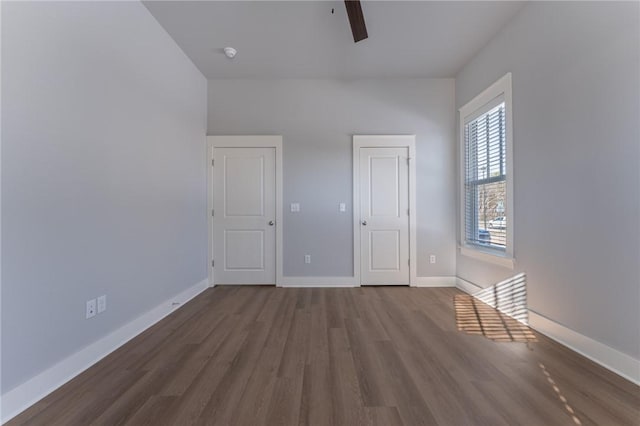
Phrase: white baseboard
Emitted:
{"points": [[608, 357], [351, 282], [28, 393], [467, 286], [435, 282], [319, 282]]}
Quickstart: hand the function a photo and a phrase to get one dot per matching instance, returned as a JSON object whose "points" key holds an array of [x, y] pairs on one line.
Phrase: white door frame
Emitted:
{"points": [[384, 141], [267, 141]]}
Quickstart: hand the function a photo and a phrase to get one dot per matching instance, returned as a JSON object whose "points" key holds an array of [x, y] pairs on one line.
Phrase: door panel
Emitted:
{"points": [[384, 210], [244, 250], [384, 250], [244, 176], [383, 190], [244, 216]]}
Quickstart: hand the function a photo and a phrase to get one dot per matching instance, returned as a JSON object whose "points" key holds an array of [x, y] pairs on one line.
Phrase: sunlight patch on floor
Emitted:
{"points": [[560, 396], [476, 317]]}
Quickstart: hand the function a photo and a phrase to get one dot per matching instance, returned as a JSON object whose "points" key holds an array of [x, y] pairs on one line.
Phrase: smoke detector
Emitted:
{"points": [[230, 52]]}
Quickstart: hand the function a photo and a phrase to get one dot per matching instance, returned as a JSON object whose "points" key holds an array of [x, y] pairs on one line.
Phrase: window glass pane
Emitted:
{"points": [[485, 180], [491, 198]]}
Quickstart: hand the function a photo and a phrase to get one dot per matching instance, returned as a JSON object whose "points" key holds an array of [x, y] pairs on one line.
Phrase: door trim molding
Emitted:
{"points": [[385, 141], [248, 141]]}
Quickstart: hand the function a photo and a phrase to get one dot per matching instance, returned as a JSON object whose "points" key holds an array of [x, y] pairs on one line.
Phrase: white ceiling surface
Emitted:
{"points": [[303, 39]]}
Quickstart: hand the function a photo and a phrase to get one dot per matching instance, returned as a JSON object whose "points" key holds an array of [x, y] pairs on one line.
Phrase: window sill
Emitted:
{"points": [[504, 261]]}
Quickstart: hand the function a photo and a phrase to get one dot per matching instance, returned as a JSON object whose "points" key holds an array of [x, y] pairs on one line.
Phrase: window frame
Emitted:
{"points": [[479, 105]]}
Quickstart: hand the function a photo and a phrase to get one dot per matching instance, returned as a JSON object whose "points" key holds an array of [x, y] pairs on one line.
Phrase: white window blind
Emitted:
{"points": [[485, 178]]}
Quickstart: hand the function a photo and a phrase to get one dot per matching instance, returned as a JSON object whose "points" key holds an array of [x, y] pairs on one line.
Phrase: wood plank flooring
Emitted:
{"points": [[362, 356]]}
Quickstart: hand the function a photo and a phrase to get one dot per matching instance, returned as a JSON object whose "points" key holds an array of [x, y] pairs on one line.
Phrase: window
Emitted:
{"points": [[486, 192]]}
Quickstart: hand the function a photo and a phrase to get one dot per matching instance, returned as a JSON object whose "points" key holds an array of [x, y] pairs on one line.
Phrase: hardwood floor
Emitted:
{"points": [[362, 356]]}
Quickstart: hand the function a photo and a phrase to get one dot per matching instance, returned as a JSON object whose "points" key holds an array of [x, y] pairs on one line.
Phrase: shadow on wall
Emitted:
{"points": [[498, 312]]}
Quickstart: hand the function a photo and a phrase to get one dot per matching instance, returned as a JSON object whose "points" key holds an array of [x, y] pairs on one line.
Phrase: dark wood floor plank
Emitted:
{"points": [[153, 412], [134, 397], [251, 355], [255, 401], [368, 365], [285, 402], [295, 351], [315, 405], [221, 406], [224, 399], [383, 416], [84, 407], [369, 320], [191, 403], [333, 309], [412, 406], [348, 406]]}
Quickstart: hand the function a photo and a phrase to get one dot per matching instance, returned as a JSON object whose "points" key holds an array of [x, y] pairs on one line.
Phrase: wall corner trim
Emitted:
{"points": [[28, 393], [613, 360]]}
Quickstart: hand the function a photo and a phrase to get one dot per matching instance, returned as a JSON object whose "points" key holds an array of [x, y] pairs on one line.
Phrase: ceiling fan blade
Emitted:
{"points": [[356, 20]]}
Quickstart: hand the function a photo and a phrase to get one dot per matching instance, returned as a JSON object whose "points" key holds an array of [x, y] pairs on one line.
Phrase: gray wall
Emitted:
{"points": [[103, 175], [576, 104], [317, 119]]}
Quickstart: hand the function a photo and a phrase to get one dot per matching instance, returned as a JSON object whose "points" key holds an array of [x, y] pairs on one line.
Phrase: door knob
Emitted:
{"points": [[271, 223], [364, 223]]}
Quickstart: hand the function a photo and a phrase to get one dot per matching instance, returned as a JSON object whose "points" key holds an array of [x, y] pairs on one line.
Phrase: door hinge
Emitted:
{"points": [[408, 159], [213, 263], [408, 212], [213, 212], [213, 163]]}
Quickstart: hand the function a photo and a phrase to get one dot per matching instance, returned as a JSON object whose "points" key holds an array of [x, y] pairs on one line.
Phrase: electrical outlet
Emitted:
{"points": [[307, 258], [432, 258], [102, 304], [91, 308], [343, 207]]}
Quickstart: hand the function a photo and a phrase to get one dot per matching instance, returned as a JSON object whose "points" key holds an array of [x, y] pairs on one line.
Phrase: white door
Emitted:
{"points": [[384, 216], [244, 228]]}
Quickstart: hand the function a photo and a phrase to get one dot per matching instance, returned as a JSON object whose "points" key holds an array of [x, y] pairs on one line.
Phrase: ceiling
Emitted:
{"points": [[303, 39]]}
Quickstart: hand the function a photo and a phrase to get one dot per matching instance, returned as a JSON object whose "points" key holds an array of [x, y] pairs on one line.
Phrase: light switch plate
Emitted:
{"points": [[295, 207], [343, 207], [102, 304]]}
